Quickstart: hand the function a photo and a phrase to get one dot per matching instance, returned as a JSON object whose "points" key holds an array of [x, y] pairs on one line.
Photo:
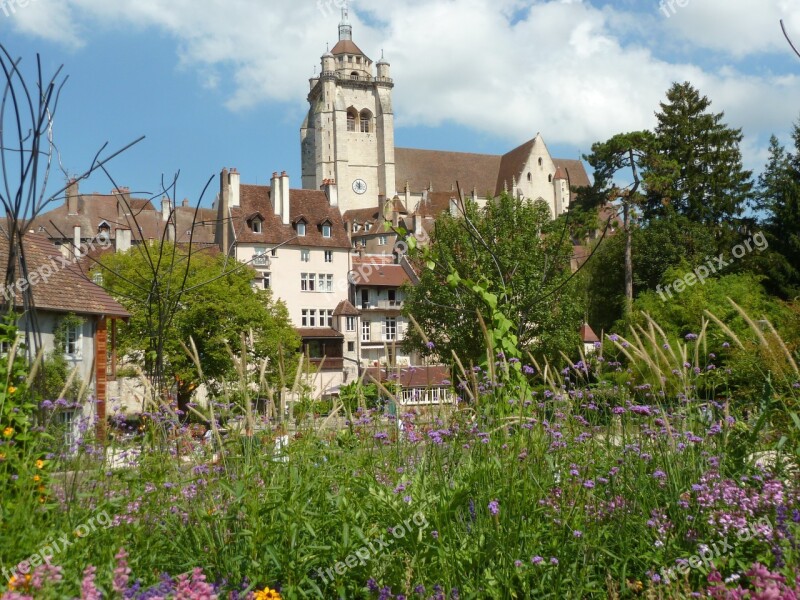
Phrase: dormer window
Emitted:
{"points": [[367, 226], [301, 229], [325, 228], [255, 220], [256, 225]]}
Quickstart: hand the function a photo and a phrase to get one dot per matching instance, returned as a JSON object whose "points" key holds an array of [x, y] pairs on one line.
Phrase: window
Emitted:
{"points": [[274, 252], [350, 324], [326, 230], [327, 315], [259, 257], [301, 229], [364, 121], [550, 178], [329, 256], [367, 226], [266, 279], [309, 317], [540, 161], [325, 282], [305, 255], [67, 420], [530, 177], [365, 331], [352, 117], [392, 297], [307, 282], [98, 278], [389, 329], [256, 225], [354, 75], [72, 345], [382, 240], [351, 346]]}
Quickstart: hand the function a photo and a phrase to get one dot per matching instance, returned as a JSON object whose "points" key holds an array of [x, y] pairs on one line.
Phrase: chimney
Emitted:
{"points": [[331, 191], [381, 207], [123, 196], [285, 206], [123, 240], [72, 197], [275, 186], [234, 183], [395, 212], [417, 224], [185, 202], [76, 241], [408, 195], [166, 208], [222, 230]]}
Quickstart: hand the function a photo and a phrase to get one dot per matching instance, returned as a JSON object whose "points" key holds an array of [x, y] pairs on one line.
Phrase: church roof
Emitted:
{"points": [[422, 168], [346, 47], [512, 164]]}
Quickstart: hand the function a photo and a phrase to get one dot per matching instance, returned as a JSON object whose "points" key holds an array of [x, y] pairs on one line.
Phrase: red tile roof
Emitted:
{"points": [[412, 377], [308, 333], [379, 275], [311, 204], [60, 287], [588, 335], [346, 309], [346, 47]]}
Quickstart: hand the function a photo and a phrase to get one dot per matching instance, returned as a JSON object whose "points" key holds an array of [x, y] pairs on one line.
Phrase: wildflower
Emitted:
{"points": [[659, 474], [267, 594], [11, 389], [36, 478], [518, 563], [8, 432], [435, 534], [537, 560], [553, 560], [691, 336], [430, 345], [494, 507], [577, 533], [40, 464], [588, 484]]}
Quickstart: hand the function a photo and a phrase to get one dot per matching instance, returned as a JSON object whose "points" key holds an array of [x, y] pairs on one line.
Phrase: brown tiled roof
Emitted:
{"points": [[373, 259], [588, 335], [145, 221], [344, 308], [512, 164], [578, 177], [437, 203], [308, 333], [67, 289], [421, 168], [346, 47], [412, 377], [311, 204], [380, 276]]}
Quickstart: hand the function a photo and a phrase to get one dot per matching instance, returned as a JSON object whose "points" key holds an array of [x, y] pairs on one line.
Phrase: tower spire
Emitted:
{"points": [[345, 29]]}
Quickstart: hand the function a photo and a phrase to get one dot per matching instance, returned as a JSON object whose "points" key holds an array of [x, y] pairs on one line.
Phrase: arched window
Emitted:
{"points": [[354, 75], [530, 177], [365, 120], [540, 161], [352, 117]]}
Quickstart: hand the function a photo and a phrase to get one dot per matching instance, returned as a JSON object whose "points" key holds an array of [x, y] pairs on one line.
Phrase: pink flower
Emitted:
{"points": [[122, 572]]}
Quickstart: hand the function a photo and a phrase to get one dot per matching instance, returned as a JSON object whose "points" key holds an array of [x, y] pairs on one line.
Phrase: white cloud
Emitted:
{"points": [[573, 71]]}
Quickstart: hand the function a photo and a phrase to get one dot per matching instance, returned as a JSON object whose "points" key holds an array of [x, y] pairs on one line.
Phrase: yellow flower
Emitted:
{"points": [[40, 464], [16, 583], [41, 489], [8, 432], [2, 457], [11, 389], [41, 499], [36, 478], [267, 594]]}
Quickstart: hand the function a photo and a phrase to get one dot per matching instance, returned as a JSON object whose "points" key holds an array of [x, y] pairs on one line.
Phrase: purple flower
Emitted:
{"points": [[494, 507], [659, 474], [430, 345], [518, 563], [435, 534], [537, 560], [588, 484], [553, 560], [577, 533]]}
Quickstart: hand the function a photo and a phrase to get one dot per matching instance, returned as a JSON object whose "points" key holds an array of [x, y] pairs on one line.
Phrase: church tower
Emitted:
{"points": [[348, 134]]}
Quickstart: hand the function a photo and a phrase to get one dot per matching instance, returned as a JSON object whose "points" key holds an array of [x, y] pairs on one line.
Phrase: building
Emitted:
{"points": [[348, 137], [59, 289], [296, 241]]}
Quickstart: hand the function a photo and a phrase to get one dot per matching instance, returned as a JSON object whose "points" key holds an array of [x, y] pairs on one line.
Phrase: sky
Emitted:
{"points": [[223, 83]]}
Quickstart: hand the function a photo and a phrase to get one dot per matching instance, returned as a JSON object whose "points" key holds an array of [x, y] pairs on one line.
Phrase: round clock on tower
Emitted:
{"points": [[359, 186]]}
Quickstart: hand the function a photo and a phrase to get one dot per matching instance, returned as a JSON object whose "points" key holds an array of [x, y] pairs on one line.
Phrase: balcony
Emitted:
{"points": [[382, 305], [328, 364]]}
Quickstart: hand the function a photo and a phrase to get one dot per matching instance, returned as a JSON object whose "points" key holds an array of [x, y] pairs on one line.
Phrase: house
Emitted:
{"points": [[60, 290], [418, 385], [296, 241]]}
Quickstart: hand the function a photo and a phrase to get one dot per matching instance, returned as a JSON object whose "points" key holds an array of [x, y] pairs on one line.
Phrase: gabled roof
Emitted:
{"points": [[422, 168], [60, 287], [512, 164], [588, 336], [311, 205], [344, 308]]}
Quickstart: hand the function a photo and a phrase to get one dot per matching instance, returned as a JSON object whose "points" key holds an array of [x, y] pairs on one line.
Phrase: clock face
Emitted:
{"points": [[359, 186]]}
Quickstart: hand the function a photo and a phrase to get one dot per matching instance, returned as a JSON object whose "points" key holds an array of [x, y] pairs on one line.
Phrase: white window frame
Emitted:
{"points": [[328, 256], [382, 240], [73, 342], [309, 317], [308, 282], [326, 230], [257, 226], [366, 331], [327, 315], [350, 324], [266, 279], [301, 229], [305, 255], [389, 329]]}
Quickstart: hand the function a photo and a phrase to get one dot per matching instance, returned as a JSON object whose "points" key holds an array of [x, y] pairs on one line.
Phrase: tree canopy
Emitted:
{"points": [[173, 295]]}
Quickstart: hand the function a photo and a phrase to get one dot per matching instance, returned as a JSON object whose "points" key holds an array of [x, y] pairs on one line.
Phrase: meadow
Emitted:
{"points": [[649, 468]]}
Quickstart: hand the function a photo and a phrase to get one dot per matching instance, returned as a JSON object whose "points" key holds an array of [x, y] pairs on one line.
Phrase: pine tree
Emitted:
{"points": [[698, 172], [779, 199]]}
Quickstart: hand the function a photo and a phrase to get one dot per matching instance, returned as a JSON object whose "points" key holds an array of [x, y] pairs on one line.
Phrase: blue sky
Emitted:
{"points": [[222, 83]]}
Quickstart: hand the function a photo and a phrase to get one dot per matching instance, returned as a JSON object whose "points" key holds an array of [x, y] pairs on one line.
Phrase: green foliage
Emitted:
{"points": [[356, 394], [509, 262], [173, 296]]}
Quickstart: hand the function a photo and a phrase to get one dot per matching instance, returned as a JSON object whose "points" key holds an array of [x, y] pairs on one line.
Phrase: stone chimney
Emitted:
{"points": [[123, 240], [185, 202], [72, 197], [454, 207], [76, 241], [408, 195], [395, 212], [285, 206], [275, 187], [123, 196], [166, 208], [417, 223], [331, 191], [234, 182]]}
